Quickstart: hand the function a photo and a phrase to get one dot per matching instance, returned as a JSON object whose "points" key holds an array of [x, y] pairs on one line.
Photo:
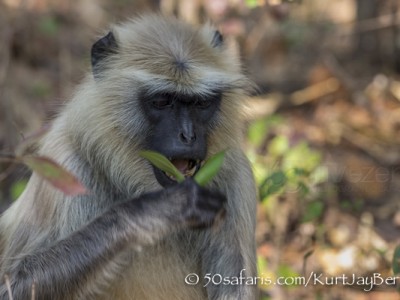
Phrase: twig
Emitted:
{"points": [[375, 150], [315, 91], [305, 258], [381, 22], [345, 79]]}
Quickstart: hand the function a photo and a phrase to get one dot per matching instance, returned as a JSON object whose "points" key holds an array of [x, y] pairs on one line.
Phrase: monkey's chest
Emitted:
{"points": [[159, 272]]}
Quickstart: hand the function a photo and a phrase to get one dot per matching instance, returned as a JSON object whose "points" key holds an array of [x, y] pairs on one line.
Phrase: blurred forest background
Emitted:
{"points": [[323, 129]]}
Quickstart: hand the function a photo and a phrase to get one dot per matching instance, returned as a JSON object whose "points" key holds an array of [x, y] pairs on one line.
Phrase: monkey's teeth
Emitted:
{"points": [[170, 176], [190, 173], [189, 169], [195, 165]]}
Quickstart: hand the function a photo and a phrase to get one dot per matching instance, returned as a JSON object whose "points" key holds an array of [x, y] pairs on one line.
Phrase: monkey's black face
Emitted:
{"points": [[180, 124]]}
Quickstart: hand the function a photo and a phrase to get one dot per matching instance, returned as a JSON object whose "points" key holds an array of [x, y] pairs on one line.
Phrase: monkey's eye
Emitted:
{"points": [[161, 103], [203, 103]]}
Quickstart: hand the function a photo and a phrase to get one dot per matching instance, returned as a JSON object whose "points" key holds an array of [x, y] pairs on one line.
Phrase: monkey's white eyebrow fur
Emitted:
{"points": [[207, 81]]}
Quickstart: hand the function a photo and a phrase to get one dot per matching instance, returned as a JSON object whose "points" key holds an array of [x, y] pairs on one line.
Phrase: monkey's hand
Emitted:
{"points": [[151, 216], [202, 207]]}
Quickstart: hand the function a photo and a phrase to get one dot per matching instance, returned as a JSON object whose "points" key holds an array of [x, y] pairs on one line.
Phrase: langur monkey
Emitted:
{"points": [[156, 84]]}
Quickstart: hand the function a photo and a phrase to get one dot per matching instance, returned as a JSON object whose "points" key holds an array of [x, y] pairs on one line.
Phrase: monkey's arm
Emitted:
{"points": [[63, 270], [231, 252]]}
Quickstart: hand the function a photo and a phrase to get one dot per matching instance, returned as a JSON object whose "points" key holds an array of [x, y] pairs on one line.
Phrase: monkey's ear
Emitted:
{"points": [[217, 39], [101, 49]]}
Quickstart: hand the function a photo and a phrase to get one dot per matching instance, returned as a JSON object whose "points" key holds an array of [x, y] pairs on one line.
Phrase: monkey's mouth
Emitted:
{"points": [[188, 167]]}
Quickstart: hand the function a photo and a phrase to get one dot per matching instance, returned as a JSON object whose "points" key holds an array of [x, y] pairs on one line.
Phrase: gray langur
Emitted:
{"points": [[157, 84]]}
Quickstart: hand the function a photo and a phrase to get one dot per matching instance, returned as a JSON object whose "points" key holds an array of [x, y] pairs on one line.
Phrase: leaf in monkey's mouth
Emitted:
{"points": [[177, 169], [188, 167]]}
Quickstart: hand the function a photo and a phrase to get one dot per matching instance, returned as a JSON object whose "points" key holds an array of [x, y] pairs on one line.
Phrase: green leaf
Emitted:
{"points": [[286, 271], [54, 174], [257, 131], [396, 261], [300, 172], [278, 146], [17, 188], [303, 188], [272, 184], [209, 169], [251, 3], [163, 163], [262, 264], [313, 211], [301, 156]]}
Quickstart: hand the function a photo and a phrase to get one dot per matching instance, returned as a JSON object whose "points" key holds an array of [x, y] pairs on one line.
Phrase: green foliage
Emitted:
{"points": [[163, 163], [282, 166], [261, 265], [313, 211], [210, 169], [17, 188], [301, 157], [286, 271], [278, 146], [45, 167], [287, 171], [256, 132], [54, 174], [202, 177], [353, 205], [259, 129], [251, 3], [272, 184]]}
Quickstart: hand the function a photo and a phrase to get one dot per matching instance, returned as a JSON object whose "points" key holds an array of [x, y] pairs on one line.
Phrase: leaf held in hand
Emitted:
{"points": [[163, 163], [209, 169], [54, 174]]}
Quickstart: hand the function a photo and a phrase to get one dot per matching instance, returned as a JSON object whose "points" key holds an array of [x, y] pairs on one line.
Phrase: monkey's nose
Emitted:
{"points": [[187, 138]]}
